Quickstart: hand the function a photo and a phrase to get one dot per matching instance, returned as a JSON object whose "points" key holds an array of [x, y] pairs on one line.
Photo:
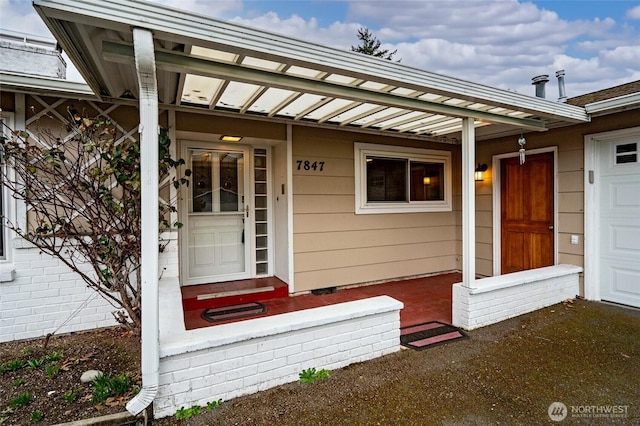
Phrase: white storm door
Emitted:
{"points": [[619, 225], [218, 244]]}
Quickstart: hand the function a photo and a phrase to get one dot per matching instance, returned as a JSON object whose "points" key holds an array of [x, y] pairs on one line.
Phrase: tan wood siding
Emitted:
{"points": [[571, 202], [318, 203], [570, 144], [310, 223], [205, 123], [373, 272], [329, 241], [335, 247]]}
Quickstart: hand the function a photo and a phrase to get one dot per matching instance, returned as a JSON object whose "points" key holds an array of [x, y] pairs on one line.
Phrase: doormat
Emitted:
{"points": [[226, 313], [429, 334]]}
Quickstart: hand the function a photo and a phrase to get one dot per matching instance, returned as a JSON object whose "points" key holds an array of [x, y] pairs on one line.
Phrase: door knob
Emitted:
{"points": [[246, 209], [551, 228]]}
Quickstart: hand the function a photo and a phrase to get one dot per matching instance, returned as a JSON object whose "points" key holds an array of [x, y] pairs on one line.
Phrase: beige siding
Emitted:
{"points": [[372, 272], [333, 246], [393, 237], [571, 202], [570, 144], [484, 226], [203, 123]]}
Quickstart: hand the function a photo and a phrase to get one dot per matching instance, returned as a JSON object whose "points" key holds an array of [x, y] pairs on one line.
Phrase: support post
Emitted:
{"points": [[468, 203]]}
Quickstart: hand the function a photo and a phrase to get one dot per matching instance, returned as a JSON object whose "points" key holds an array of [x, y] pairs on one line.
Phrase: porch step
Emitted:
{"points": [[232, 293]]}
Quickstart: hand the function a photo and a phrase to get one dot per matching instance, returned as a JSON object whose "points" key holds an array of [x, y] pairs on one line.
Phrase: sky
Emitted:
{"points": [[500, 43]]}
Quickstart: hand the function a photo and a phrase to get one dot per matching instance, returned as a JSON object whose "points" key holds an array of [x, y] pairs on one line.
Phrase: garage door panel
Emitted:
{"points": [[619, 223], [620, 238], [624, 285], [619, 196]]}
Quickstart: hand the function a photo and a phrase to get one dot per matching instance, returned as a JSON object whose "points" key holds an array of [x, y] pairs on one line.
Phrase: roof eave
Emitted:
{"points": [[44, 86], [613, 105], [184, 26]]}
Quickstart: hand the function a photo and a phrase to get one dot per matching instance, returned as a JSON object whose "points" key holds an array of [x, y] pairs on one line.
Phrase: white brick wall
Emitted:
{"points": [[227, 361], [41, 293], [506, 296]]}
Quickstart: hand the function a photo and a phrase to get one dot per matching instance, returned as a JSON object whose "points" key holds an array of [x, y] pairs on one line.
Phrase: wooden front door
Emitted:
{"points": [[217, 239], [527, 213]]}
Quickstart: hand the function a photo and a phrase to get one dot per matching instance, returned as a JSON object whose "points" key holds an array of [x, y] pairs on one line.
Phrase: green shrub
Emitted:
{"points": [[310, 375], [187, 413], [52, 369], [214, 404], [107, 385], [35, 363], [15, 365], [21, 400], [36, 416], [53, 356]]}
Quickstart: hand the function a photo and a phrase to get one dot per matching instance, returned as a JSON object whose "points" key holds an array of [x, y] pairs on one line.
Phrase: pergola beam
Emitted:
{"points": [[181, 63]]}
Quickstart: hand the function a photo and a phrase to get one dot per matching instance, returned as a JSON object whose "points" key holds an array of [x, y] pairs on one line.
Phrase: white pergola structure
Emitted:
{"points": [[170, 59]]}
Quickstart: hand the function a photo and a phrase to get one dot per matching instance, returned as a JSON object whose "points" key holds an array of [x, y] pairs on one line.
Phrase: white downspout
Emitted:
{"points": [[150, 345]]}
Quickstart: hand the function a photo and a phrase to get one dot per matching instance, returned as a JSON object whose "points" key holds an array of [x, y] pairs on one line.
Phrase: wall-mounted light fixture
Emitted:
{"points": [[426, 180], [230, 138], [479, 173]]}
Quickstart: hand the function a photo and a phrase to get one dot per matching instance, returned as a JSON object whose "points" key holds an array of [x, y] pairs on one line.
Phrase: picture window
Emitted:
{"points": [[392, 179]]}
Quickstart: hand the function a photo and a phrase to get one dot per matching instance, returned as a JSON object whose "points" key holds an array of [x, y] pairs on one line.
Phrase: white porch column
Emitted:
{"points": [[150, 347], [468, 203]]}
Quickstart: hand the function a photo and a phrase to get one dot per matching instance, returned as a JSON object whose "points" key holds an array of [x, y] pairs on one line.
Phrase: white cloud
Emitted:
{"points": [[20, 16], [214, 9], [633, 13], [500, 43], [622, 56]]}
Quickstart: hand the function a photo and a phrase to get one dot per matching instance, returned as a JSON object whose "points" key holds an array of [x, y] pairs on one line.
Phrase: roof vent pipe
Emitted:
{"points": [[539, 82], [562, 93]]}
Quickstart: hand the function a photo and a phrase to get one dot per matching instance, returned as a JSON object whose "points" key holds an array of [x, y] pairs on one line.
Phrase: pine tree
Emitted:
{"points": [[370, 45]]}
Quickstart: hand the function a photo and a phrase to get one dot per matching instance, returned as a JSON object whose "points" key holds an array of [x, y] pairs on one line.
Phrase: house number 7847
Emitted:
{"points": [[308, 165]]}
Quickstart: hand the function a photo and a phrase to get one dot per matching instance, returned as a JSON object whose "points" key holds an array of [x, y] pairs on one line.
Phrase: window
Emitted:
{"points": [[626, 153], [6, 123], [391, 179]]}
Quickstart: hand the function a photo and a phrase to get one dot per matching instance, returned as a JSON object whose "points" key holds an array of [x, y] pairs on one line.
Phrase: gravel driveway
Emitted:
{"points": [[582, 356]]}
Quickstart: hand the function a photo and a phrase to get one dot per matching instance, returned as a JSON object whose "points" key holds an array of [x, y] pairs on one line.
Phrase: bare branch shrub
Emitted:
{"points": [[82, 192]]}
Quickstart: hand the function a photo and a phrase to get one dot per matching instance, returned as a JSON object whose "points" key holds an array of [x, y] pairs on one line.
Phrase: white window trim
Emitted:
{"points": [[362, 150], [9, 120], [7, 269]]}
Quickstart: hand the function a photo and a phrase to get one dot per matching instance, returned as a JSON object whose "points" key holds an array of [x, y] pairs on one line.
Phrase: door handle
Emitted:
{"points": [[246, 209], [551, 228]]}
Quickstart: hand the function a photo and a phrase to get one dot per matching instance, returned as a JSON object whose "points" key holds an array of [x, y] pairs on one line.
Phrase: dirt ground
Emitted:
{"points": [[57, 394], [584, 355]]}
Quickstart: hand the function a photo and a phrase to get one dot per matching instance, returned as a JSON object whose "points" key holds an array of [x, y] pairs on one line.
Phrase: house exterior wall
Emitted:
{"points": [[38, 293], [335, 247], [45, 296], [570, 184], [218, 125]]}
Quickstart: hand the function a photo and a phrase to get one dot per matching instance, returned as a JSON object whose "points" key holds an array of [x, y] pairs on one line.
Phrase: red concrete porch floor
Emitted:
{"points": [[425, 299]]}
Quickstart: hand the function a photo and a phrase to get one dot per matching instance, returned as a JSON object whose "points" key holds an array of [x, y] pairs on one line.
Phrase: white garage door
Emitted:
{"points": [[619, 190]]}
